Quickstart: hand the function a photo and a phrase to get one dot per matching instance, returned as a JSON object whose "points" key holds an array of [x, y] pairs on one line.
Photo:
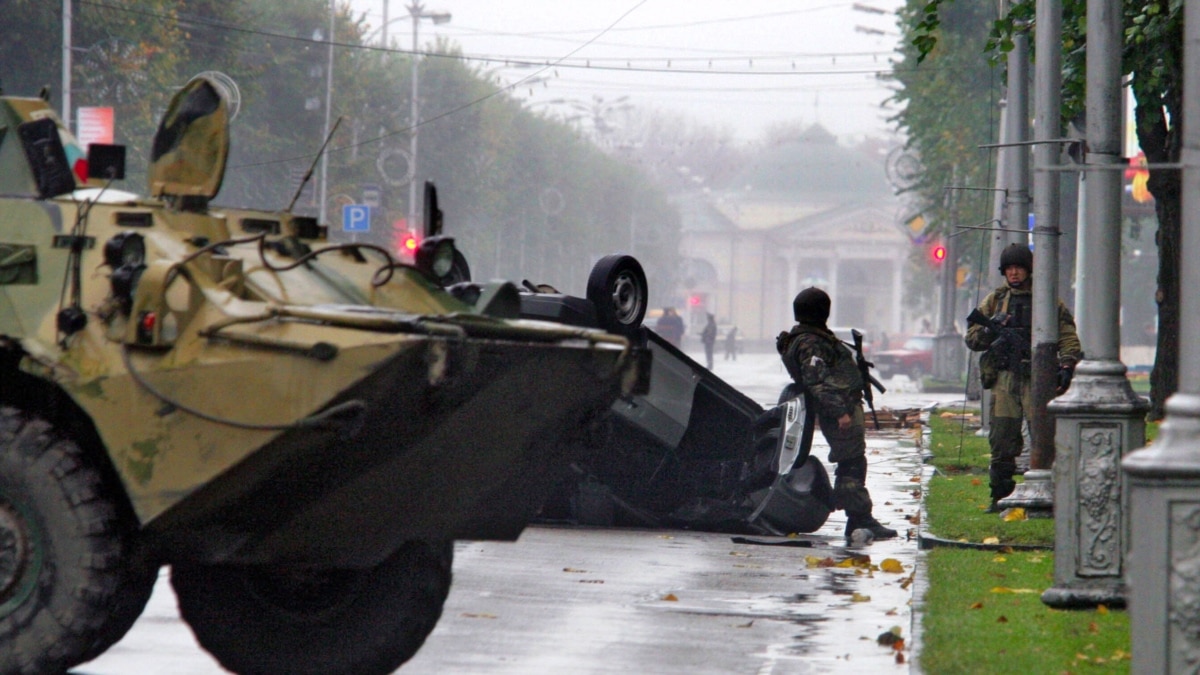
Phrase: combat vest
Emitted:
{"points": [[843, 371]]}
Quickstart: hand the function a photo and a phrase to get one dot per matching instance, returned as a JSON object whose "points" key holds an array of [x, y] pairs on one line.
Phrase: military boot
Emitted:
{"points": [[865, 521], [850, 494], [1000, 479]]}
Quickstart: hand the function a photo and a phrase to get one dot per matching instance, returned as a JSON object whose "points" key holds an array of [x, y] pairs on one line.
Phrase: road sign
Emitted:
{"points": [[356, 218], [372, 196]]}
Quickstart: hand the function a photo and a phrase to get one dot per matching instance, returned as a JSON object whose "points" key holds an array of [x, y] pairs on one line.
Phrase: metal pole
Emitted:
{"points": [[1099, 418], [1037, 492], [66, 68], [415, 10], [1017, 118], [1164, 479], [385, 24], [328, 112]]}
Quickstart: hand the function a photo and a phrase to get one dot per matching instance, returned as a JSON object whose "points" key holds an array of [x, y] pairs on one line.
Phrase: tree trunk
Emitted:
{"points": [[1162, 145]]}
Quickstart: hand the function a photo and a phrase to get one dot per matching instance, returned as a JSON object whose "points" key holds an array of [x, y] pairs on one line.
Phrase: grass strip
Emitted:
{"points": [[983, 614], [982, 610]]}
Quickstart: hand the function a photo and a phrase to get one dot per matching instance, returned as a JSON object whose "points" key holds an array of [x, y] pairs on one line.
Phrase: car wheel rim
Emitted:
{"points": [[20, 557], [627, 299]]}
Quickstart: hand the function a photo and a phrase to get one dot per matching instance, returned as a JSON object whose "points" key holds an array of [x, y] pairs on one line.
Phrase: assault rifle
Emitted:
{"points": [[864, 368], [1010, 347]]}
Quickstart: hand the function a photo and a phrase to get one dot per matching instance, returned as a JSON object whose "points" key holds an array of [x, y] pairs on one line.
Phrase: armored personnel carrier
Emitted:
{"points": [[189, 386]]}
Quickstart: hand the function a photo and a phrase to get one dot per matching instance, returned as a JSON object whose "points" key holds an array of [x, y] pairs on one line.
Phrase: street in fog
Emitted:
{"points": [[572, 599]]}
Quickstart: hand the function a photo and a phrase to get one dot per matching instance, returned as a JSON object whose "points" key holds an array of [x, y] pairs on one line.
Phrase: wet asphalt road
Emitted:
{"points": [[585, 600]]}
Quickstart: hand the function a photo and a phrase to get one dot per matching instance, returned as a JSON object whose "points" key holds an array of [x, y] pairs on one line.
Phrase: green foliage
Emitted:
{"points": [[526, 196], [949, 99], [983, 614]]}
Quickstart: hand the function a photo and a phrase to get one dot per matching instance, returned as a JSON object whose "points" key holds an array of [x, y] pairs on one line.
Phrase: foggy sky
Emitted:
{"points": [[780, 60]]}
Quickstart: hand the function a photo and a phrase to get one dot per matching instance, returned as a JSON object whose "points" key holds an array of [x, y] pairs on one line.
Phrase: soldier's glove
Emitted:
{"points": [[781, 342], [1065, 373]]}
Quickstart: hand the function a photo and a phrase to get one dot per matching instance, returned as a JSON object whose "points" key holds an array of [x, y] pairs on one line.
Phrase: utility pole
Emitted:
{"points": [[417, 11], [1099, 418], [66, 68], [1164, 479], [328, 112], [1036, 494]]}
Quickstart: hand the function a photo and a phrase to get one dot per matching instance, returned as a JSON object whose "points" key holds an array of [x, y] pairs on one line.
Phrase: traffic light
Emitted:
{"points": [[407, 241], [937, 254]]}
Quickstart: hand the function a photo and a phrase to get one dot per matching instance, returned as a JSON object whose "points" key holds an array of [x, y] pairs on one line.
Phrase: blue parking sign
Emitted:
{"points": [[356, 218]]}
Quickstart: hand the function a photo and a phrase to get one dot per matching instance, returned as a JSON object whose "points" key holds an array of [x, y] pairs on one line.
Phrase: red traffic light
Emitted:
{"points": [[407, 243], [937, 254]]}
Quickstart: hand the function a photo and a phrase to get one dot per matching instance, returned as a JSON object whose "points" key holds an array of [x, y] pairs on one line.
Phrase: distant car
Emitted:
{"points": [[914, 358]]}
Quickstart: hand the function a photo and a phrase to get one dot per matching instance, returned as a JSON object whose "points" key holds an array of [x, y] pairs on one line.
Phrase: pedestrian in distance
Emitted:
{"points": [[1001, 328], [824, 367], [670, 326], [709, 337], [731, 344]]}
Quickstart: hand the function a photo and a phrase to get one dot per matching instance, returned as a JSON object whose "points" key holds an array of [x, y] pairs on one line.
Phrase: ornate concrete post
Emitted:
{"points": [[1164, 479], [1099, 418]]}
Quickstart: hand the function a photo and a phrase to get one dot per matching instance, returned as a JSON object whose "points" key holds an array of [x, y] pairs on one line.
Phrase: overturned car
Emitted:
{"points": [[691, 451]]}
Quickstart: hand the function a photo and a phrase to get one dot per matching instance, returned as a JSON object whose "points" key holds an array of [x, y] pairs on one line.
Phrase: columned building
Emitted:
{"points": [[804, 213]]}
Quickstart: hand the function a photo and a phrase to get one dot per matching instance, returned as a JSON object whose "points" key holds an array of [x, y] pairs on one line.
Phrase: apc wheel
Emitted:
{"points": [[269, 620], [71, 581], [617, 288]]}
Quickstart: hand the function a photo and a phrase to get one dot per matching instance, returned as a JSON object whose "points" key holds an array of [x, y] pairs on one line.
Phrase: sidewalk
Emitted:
{"points": [[864, 602]]}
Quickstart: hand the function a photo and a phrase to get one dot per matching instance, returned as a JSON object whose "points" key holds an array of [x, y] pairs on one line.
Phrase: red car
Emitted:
{"points": [[914, 358]]}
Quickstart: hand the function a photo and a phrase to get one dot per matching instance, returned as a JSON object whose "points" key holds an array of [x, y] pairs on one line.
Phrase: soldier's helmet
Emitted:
{"points": [[811, 306], [1016, 254]]}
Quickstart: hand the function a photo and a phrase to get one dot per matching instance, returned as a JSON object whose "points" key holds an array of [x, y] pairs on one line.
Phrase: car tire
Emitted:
{"points": [[280, 620], [617, 289], [71, 580]]}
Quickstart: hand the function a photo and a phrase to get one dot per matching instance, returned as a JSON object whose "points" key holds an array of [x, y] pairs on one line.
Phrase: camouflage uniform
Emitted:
{"points": [[1012, 391], [836, 387]]}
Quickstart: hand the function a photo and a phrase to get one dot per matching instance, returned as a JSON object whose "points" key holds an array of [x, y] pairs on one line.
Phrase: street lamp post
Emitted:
{"points": [[417, 11]]}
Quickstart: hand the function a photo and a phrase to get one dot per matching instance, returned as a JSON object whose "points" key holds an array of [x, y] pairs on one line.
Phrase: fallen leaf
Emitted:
{"points": [[572, 570], [976, 481], [900, 657], [591, 581], [745, 625], [915, 479], [1102, 609], [889, 638], [1093, 628], [670, 597], [891, 612], [999, 559], [1005, 589], [991, 540], [891, 565], [859, 597], [665, 536], [472, 615], [1015, 514], [1002, 619], [914, 519], [977, 605]]}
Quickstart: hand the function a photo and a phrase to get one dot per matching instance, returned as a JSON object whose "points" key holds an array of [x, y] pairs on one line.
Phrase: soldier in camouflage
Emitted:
{"points": [[824, 366], [1008, 374]]}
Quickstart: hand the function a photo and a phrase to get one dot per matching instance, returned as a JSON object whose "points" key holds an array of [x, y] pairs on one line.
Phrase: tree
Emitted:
{"points": [[1152, 58]]}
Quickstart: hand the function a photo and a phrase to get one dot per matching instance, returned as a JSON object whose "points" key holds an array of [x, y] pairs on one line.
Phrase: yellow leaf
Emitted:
{"points": [[1015, 514], [991, 540], [670, 597], [1006, 589], [891, 565], [1101, 609], [859, 597], [999, 559]]}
